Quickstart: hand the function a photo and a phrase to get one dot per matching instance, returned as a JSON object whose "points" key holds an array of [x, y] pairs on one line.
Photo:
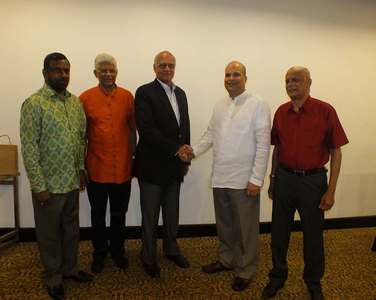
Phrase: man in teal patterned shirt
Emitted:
{"points": [[52, 132]]}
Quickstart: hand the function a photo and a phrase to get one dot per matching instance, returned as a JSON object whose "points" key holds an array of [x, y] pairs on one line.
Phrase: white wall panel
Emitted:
{"points": [[336, 40]]}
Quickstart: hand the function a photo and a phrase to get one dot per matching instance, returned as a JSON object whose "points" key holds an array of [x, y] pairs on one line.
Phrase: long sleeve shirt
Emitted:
{"points": [[239, 132], [170, 92], [52, 130]]}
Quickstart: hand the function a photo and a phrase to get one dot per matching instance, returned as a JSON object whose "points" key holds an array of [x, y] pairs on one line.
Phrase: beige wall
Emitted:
{"points": [[335, 39]]}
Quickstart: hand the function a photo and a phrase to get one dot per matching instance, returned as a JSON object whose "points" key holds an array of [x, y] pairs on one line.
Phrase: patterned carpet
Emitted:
{"points": [[350, 272]]}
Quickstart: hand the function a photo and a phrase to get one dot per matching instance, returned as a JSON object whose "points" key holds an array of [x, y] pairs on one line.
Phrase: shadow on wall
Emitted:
{"points": [[334, 12]]}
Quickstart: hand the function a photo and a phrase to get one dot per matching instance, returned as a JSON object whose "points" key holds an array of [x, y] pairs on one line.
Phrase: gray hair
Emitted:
{"points": [[157, 58], [104, 58], [302, 70]]}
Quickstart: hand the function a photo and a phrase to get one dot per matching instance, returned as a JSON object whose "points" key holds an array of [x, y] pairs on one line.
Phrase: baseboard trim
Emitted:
{"points": [[200, 230]]}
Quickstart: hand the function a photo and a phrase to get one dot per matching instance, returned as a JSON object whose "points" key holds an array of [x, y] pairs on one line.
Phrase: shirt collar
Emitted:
{"points": [[240, 98], [306, 107], [48, 91], [113, 92], [166, 87]]}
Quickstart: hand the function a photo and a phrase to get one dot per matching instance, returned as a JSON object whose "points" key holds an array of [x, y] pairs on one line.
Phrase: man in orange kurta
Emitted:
{"points": [[111, 137]]}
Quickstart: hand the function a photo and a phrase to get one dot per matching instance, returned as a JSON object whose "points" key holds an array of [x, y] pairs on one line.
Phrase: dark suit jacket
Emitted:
{"points": [[160, 136]]}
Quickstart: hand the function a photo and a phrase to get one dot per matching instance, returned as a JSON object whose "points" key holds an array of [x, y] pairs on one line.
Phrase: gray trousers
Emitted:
{"points": [[57, 230], [237, 219], [152, 197]]}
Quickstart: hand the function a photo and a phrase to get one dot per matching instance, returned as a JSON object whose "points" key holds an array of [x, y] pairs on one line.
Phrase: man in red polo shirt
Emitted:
{"points": [[111, 137], [306, 132]]}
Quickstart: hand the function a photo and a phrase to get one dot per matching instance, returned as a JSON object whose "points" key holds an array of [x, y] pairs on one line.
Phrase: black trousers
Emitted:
{"points": [[302, 193], [118, 194]]}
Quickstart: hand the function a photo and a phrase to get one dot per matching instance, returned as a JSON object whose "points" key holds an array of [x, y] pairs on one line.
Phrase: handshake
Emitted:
{"points": [[185, 153]]}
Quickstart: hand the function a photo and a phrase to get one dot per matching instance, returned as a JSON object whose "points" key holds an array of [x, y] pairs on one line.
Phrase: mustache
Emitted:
{"points": [[59, 84]]}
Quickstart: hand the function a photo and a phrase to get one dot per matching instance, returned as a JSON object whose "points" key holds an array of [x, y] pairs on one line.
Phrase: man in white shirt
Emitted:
{"points": [[239, 132]]}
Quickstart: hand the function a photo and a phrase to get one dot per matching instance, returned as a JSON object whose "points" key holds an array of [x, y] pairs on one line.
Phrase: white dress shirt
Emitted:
{"points": [[239, 131], [170, 92]]}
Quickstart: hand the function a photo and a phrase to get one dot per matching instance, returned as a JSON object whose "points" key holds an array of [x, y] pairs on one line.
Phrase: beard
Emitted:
{"points": [[59, 85]]}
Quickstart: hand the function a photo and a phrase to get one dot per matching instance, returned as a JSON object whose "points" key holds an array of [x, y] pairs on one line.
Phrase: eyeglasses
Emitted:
{"points": [[165, 65], [106, 71]]}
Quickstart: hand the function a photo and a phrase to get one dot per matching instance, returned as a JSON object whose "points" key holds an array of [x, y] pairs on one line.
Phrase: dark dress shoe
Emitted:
{"points": [[271, 289], [179, 260], [81, 276], [152, 270], [316, 294], [121, 262], [214, 268], [56, 292], [239, 284], [97, 266]]}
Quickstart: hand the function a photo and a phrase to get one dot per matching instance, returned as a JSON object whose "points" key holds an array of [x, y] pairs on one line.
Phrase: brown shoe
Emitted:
{"points": [[240, 284], [214, 268]]}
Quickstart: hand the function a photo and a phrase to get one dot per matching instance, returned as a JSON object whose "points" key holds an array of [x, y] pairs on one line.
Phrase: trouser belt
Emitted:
{"points": [[303, 172]]}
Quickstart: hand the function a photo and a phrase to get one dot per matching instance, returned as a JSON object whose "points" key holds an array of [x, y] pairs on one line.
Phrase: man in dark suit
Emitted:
{"points": [[163, 126]]}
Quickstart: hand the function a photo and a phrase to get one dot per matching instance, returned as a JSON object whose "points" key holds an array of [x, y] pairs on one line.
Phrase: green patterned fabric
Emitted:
{"points": [[52, 133]]}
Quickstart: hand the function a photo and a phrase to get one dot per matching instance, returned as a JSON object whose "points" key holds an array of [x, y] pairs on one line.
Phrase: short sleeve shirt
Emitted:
{"points": [[304, 138], [110, 120]]}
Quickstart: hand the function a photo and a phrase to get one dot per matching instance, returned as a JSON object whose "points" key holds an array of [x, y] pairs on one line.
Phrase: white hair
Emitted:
{"points": [[104, 58], [301, 69], [157, 58]]}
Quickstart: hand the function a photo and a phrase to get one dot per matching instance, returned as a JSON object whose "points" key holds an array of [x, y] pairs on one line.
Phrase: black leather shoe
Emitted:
{"points": [[271, 289], [214, 268], [179, 260], [152, 270], [97, 266], [240, 284], [56, 292], [81, 276], [121, 262], [316, 294]]}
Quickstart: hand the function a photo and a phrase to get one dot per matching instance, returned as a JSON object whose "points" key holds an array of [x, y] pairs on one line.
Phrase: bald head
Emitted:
{"points": [[162, 55], [164, 66], [239, 65], [298, 83]]}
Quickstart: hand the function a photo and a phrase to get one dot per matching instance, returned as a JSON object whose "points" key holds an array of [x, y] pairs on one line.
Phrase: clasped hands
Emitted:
{"points": [[185, 153]]}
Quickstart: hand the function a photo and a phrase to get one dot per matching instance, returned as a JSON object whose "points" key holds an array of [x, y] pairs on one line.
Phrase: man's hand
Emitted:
{"points": [[42, 197], [83, 180], [253, 190], [185, 153], [327, 201]]}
